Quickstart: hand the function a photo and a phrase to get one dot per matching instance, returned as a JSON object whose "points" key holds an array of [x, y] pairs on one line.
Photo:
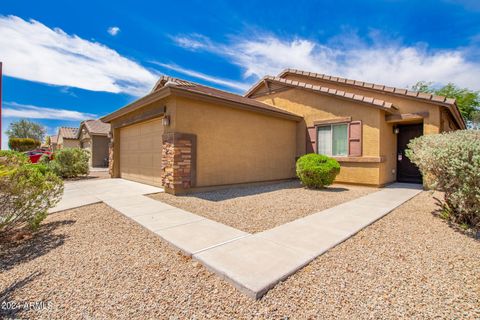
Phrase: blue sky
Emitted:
{"points": [[65, 61]]}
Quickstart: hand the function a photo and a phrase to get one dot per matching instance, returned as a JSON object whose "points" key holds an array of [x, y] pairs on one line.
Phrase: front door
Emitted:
{"points": [[406, 170]]}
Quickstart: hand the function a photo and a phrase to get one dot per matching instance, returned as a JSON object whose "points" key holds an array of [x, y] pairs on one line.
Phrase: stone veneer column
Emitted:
{"points": [[110, 157], [178, 162]]}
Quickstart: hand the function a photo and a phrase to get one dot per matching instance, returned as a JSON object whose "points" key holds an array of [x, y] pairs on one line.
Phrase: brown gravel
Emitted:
{"points": [[93, 263], [257, 208]]}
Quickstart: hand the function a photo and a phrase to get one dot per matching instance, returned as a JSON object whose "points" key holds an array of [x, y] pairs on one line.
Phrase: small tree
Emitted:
{"points": [[451, 161], [23, 144], [26, 129], [48, 141], [468, 101], [27, 191], [316, 170], [70, 162]]}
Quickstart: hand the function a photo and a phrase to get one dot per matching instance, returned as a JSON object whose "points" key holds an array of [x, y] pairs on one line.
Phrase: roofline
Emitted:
{"points": [[179, 91], [370, 101], [90, 133], [399, 92]]}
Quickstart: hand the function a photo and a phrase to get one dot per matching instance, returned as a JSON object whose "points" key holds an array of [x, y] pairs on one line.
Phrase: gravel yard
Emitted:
{"points": [[93, 263], [257, 208]]}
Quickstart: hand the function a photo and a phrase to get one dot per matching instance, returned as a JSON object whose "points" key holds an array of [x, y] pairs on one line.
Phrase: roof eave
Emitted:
{"points": [[188, 93], [390, 109], [149, 98]]}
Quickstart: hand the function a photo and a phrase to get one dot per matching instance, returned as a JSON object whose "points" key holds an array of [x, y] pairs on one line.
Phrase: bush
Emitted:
{"points": [[451, 162], [70, 162], [27, 191], [316, 170], [23, 144]]}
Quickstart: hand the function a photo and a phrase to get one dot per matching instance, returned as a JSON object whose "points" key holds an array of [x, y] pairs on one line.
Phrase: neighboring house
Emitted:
{"points": [[53, 142], [67, 138], [188, 136], [93, 136]]}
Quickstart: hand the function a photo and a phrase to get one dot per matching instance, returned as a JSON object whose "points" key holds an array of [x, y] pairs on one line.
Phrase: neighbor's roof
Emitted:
{"points": [[53, 139], [166, 86], [377, 103], [96, 127], [68, 132]]}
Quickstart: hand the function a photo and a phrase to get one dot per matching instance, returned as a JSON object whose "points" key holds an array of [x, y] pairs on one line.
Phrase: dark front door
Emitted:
{"points": [[406, 170]]}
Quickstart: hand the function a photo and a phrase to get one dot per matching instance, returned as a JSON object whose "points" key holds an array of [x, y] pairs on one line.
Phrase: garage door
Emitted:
{"points": [[141, 152]]}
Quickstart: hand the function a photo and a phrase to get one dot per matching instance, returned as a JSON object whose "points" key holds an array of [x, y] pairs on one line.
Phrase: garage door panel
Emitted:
{"points": [[141, 152]]}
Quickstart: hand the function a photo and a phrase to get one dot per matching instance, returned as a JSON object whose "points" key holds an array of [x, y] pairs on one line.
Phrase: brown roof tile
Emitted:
{"points": [[195, 88], [97, 127], [68, 132], [423, 96], [325, 90]]}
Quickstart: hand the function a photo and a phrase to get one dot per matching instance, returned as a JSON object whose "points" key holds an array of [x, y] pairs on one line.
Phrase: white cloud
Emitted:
{"points": [[17, 110], [223, 82], [386, 62], [113, 31], [35, 52]]}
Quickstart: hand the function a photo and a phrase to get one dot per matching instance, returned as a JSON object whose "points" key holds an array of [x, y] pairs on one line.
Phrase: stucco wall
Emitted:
{"points": [[70, 143], [315, 107], [432, 123], [236, 146]]}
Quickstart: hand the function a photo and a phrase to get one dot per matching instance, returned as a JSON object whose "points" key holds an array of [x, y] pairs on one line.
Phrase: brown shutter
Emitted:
{"points": [[355, 139], [311, 139]]}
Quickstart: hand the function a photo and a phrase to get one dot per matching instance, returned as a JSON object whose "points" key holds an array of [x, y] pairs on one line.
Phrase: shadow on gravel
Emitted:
{"points": [[9, 307], [243, 191], [15, 252], [470, 232]]}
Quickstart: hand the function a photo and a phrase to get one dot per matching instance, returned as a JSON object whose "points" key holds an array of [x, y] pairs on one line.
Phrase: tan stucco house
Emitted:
{"points": [[93, 137], [67, 137], [185, 136], [53, 142]]}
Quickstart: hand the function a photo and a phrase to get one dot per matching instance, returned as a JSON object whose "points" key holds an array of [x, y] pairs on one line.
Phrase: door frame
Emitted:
{"points": [[401, 152]]}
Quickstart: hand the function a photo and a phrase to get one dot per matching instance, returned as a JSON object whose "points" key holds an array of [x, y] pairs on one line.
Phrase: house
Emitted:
{"points": [[365, 126], [93, 136], [67, 137], [53, 142], [185, 136]]}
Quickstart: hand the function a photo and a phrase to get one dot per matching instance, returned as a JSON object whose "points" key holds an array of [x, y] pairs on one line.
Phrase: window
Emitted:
{"points": [[332, 140]]}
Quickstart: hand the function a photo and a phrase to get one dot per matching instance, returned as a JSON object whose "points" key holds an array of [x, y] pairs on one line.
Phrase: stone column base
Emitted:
{"points": [[178, 162]]}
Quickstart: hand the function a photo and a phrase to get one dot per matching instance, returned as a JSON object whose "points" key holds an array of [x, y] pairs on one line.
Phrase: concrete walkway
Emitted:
{"points": [[252, 263]]}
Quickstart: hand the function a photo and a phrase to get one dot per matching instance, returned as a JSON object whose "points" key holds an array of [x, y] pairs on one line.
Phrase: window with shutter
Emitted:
{"points": [[355, 139]]}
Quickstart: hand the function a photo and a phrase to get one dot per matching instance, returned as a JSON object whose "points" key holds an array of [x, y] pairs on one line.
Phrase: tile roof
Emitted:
{"points": [[378, 103], [68, 132], [370, 86], [53, 139], [96, 127], [204, 91]]}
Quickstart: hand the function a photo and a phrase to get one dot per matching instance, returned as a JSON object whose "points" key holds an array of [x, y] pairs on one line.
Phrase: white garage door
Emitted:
{"points": [[141, 152]]}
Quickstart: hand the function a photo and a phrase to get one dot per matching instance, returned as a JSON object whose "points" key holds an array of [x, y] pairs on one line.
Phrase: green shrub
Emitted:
{"points": [[451, 161], [27, 191], [70, 162], [23, 144], [316, 170], [44, 159]]}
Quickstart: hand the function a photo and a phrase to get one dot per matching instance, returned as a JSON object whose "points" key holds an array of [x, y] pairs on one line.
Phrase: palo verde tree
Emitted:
{"points": [[468, 101], [26, 129]]}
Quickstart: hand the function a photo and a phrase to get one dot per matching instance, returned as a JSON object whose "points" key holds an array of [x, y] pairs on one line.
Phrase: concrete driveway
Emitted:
{"points": [[82, 193]]}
